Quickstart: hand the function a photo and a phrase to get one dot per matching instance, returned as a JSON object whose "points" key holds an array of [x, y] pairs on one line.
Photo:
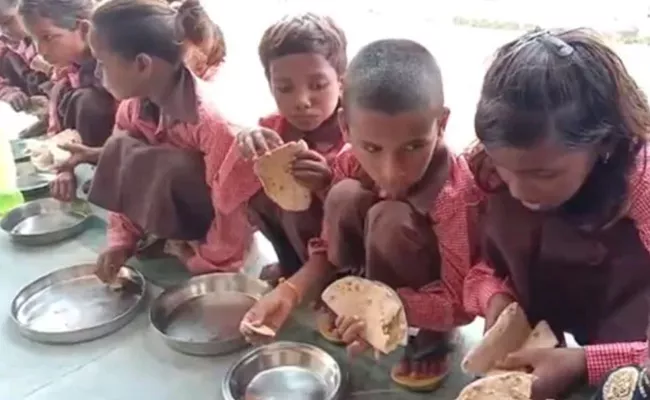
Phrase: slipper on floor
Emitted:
{"points": [[427, 384]]}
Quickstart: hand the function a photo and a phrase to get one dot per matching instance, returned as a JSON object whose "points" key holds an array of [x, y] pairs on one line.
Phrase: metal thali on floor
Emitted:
{"points": [[72, 305], [30, 180], [202, 316], [285, 370], [46, 221]]}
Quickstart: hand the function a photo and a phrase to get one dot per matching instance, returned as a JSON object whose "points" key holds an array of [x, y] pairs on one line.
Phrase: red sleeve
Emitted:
{"points": [[439, 305], [479, 287], [603, 358], [124, 115], [122, 233], [274, 122], [639, 199]]}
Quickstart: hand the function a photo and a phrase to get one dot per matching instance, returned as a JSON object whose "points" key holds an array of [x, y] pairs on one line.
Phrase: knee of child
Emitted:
{"points": [[92, 100], [388, 216], [346, 198]]}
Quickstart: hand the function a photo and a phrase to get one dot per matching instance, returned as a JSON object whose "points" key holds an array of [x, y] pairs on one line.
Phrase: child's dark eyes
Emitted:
{"points": [[317, 86], [370, 148], [413, 146]]}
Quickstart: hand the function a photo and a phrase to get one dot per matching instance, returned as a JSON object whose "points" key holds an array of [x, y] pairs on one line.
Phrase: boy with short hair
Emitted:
{"points": [[397, 211]]}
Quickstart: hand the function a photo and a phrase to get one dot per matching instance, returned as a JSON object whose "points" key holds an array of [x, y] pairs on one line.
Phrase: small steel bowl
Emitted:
{"points": [[284, 370], [201, 317], [46, 221]]}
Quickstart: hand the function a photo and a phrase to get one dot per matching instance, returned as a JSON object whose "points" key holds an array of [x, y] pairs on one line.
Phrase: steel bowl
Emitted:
{"points": [[284, 370], [45, 221], [71, 305], [201, 317]]}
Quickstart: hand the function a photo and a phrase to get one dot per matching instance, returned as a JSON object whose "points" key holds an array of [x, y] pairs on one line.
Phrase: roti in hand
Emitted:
{"points": [[377, 305], [274, 171], [262, 330], [504, 386], [46, 154], [511, 332]]}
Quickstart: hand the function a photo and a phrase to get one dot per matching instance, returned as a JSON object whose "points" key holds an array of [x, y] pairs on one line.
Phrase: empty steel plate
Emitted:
{"points": [[46, 221], [72, 305], [284, 371], [202, 316]]}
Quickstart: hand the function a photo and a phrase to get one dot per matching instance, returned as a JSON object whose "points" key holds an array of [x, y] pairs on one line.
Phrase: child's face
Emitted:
{"points": [[306, 89], [544, 176], [58, 46], [11, 25], [395, 150], [122, 78]]}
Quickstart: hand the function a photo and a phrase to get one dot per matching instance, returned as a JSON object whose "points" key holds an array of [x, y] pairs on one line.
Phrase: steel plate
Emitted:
{"points": [[284, 371], [72, 305], [46, 221], [202, 316]]}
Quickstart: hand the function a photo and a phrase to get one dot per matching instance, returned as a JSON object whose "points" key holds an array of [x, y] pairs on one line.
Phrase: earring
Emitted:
{"points": [[606, 158]]}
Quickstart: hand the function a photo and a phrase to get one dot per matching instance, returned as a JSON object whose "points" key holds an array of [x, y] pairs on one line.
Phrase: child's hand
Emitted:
{"points": [[311, 170], [64, 186], [79, 154], [271, 311], [495, 307], [350, 329], [556, 370], [256, 142], [110, 262]]}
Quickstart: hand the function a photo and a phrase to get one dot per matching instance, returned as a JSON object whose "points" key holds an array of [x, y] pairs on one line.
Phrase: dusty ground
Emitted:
{"points": [[461, 52]]}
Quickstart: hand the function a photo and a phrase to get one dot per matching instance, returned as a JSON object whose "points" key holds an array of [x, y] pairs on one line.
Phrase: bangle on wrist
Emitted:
{"points": [[293, 288]]}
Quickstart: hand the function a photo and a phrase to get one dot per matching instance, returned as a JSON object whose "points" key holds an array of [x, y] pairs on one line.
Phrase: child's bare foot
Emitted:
{"points": [[271, 274], [425, 363]]}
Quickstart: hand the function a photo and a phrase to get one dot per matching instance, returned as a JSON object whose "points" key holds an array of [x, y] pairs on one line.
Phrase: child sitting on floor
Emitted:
{"points": [[23, 73], [78, 100], [566, 230], [396, 212], [148, 178], [304, 58]]}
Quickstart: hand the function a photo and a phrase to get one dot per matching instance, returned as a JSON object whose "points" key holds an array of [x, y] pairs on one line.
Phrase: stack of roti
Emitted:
{"points": [[377, 305], [274, 171], [45, 154], [511, 332], [504, 386]]}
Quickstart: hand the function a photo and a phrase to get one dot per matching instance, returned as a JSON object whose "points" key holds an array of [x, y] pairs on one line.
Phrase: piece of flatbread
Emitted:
{"points": [[262, 330], [511, 332], [503, 386], [542, 337], [274, 171], [46, 154], [508, 334], [374, 303]]}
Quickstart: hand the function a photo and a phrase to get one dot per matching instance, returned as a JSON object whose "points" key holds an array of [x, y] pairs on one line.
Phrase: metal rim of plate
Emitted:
{"points": [[10, 220], [19, 150], [38, 286], [304, 348], [43, 183], [172, 299]]}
